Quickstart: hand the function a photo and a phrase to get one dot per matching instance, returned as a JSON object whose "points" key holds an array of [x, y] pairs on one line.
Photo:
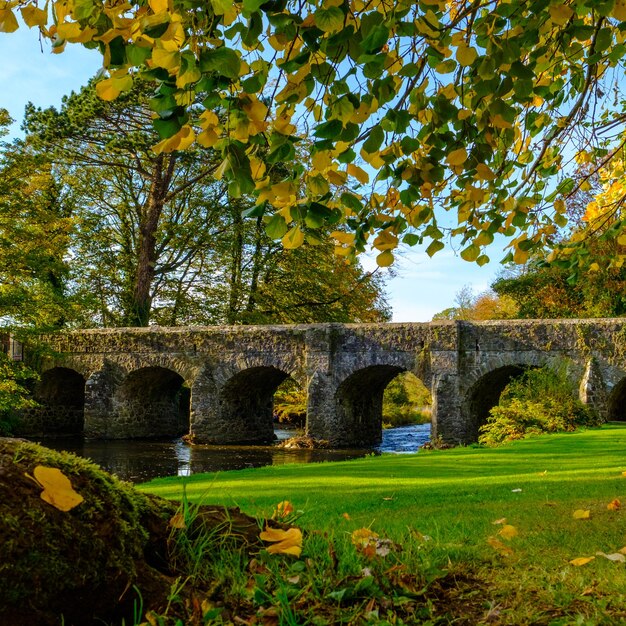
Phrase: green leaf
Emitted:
{"points": [[276, 227], [223, 61], [329, 20], [136, 55], [376, 39], [328, 130], [167, 128], [374, 141]]}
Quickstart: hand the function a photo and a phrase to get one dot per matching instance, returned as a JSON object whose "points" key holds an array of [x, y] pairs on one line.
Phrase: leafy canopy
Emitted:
{"points": [[474, 107]]}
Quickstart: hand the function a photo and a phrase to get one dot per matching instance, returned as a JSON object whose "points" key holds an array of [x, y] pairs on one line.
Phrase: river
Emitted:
{"points": [[142, 460]]}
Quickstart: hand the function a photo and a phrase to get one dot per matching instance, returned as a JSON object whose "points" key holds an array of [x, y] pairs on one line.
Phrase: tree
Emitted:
{"points": [[471, 106], [34, 239], [156, 239], [488, 305]]}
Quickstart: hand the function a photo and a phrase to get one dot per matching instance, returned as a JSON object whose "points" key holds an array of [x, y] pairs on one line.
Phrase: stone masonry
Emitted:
{"points": [[217, 383]]}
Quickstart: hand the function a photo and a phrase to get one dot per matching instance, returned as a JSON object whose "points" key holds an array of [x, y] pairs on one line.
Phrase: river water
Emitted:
{"points": [[142, 460]]}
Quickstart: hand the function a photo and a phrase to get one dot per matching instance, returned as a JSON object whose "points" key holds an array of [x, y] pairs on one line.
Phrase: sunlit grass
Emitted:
{"points": [[454, 496]]}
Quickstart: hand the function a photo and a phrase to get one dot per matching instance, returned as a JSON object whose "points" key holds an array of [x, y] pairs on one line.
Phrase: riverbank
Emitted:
{"points": [[504, 523]]}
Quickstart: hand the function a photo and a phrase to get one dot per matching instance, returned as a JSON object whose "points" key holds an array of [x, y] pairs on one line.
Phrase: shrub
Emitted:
{"points": [[539, 401], [290, 404]]}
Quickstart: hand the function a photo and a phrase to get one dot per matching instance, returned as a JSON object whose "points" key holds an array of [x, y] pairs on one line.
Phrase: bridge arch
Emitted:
{"points": [[616, 405], [233, 403], [359, 404], [151, 401], [60, 393], [484, 386]]}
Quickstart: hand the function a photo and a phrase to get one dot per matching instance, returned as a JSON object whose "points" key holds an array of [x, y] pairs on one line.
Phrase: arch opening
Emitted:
{"points": [[485, 394], [247, 404], [60, 393], [359, 405], [617, 402], [152, 402]]}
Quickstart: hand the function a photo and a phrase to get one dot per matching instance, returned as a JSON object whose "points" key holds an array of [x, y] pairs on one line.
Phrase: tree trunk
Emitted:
{"points": [[232, 313], [141, 303]]}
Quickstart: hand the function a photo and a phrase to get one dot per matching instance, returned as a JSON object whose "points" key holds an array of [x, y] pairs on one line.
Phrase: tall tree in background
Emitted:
{"points": [[158, 240], [35, 228]]}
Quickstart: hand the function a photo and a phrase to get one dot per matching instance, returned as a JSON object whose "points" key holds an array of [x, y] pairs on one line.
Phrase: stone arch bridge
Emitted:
{"points": [[217, 383]]}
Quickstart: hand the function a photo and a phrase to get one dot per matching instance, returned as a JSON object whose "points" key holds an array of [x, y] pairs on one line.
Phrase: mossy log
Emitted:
{"points": [[97, 562]]}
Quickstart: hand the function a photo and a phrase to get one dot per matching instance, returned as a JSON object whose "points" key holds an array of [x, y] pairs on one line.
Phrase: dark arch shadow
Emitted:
{"points": [[359, 404], [60, 393], [485, 394], [617, 402], [152, 402], [247, 404]]}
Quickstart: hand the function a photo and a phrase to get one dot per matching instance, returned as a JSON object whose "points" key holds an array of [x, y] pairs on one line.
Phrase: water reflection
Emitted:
{"points": [[142, 460]]}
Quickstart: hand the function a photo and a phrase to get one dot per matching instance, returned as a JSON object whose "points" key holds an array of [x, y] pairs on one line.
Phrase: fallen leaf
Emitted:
{"points": [[57, 488], [581, 514], [614, 505], [622, 550], [544, 473], [284, 541], [550, 503], [178, 521], [283, 509], [508, 532], [497, 522], [346, 516], [294, 580], [387, 498], [616, 557], [496, 544], [582, 560], [363, 536], [516, 491], [623, 473]]}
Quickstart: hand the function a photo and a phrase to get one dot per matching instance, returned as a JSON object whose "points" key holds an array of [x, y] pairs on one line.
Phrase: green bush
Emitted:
{"points": [[290, 404], [539, 401]]}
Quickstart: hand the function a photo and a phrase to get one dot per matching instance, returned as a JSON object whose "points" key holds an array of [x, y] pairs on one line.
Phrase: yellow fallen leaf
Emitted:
{"points": [[622, 550], [496, 544], [614, 505], [346, 516], [500, 521], [284, 541], [582, 560], [623, 473], [57, 488], [178, 521], [508, 532], [581, 514], [283, 508]]}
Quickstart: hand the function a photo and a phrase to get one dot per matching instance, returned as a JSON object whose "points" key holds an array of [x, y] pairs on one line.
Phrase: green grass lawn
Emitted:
{"points": [[453, 497]]}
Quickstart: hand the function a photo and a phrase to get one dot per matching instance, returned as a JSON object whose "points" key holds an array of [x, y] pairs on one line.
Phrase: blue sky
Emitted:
{"points": [[421, 287]]}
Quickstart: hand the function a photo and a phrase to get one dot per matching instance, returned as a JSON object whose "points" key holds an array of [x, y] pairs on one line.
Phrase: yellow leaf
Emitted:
{"points": [[360, 174], [180, 141], [57, 488], [293, 239], [256, 111], [346, 516], [464, 114], [385, 259], [496, 544], [457, 157], [508, 532], [33, 16], [321, 160], [158, 5], [110, 88], [483, 172], [466, 55], [208, 138], [582, 560], [581, 514], [619, 10], [614, 505], [336, 178], [178, 521], [284, 508], [8, 22], [285, 541], [386, 240], [560, 14], [616, 557], [168, 60], [500, 521]]}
